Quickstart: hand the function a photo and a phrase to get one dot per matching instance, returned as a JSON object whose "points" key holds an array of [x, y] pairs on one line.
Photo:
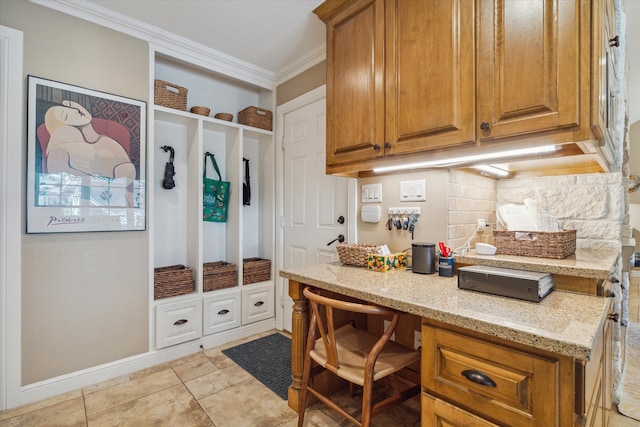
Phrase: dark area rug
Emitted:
{"points": [[268, 359]]}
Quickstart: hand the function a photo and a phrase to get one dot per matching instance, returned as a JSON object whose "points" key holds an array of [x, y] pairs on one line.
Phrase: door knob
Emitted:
{"points": [[340, 239], [340, 219]]}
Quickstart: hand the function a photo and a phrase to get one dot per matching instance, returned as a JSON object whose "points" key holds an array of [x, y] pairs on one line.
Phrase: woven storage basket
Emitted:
{"points": [[256, 117], [218, 275], [255, 270], [356, 253], [170, 95], [203, 111], [224, 116], [539, 244], [171, 281]]}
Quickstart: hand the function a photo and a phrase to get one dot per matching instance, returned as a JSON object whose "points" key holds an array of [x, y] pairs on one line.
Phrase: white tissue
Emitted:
{"points": [[384, 250]]}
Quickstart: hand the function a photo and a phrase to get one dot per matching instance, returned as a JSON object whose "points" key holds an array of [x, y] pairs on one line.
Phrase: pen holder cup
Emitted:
{"points": [[445, 266]]}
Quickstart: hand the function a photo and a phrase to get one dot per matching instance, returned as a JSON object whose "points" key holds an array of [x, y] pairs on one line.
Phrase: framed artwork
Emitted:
{"points": [[86, 160]]}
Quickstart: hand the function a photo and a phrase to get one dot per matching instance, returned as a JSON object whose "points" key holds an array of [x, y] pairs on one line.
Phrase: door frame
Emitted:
{"points": [[351, 217]]}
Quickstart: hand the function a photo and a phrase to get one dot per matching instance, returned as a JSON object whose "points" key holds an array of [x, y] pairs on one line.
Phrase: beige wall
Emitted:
{"points": [[433, 220], [305, 82], [84, 295]]}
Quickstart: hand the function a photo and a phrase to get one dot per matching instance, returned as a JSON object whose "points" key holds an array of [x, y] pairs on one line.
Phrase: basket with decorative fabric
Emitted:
{"points": [[171, 281], [170, 95], [218, 275]]}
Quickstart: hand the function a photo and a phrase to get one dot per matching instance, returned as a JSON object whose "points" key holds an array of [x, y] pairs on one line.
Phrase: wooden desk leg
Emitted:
{"points": [[300, 327]]}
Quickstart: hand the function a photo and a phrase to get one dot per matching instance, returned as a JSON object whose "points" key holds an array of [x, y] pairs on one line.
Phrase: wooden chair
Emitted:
{"points": [[355, 355]]}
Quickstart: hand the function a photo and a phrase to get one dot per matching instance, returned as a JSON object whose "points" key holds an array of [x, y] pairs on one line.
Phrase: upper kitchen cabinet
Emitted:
{"points": [[528, 55], [405, 78], [384, 96]]}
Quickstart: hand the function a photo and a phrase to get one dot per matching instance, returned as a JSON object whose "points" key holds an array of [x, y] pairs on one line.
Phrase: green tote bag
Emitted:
{"points": [[215, 194]]}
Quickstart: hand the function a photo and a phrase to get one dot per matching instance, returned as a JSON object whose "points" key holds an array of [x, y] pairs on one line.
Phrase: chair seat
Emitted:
{"points": [[353, 345]]}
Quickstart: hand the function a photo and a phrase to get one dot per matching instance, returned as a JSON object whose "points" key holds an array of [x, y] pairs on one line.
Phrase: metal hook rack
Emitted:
{"points": [[404, 211]]}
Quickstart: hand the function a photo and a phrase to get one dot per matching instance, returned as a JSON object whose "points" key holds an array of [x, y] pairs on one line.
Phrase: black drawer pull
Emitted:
{"points": [[180, 322], [615, 317], [478, 378], [223, 312], [259, 303]]}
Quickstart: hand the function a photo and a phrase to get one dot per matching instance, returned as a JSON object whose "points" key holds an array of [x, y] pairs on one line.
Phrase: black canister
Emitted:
{"points": [[423, 257]]}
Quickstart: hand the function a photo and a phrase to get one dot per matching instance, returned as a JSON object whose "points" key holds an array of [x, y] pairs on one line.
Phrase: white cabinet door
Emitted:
{"points": [[178, 322], [257, 302], [221, 311]]}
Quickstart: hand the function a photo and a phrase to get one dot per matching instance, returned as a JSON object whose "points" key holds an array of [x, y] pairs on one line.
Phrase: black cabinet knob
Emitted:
{"points": [[614, 317], [376, 147], [387, 145], [484, 126]]}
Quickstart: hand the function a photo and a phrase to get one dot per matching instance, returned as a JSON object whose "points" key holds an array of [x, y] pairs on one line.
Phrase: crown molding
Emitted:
{"points": [[211, 58], [304, 64]]}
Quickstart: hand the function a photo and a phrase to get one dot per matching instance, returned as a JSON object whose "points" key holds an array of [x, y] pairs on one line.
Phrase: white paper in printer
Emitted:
{"points": [[526, 285]]}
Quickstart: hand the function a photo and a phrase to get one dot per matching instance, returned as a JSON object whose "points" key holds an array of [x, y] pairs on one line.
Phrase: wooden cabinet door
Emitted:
{"points": [[528, 66], [429, 54], [355, 79]]}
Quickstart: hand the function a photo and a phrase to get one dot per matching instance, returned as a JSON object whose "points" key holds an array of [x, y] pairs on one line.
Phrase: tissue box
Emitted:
{"points": [[384, 263]]}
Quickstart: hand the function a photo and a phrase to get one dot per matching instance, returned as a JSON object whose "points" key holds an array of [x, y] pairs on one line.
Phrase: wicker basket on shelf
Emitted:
{"points": [[171, 281], [356, 253], [203, 111], [224, 116], [539, 244], [256, 117], [255, 270], [218, 275], [170, 95]]}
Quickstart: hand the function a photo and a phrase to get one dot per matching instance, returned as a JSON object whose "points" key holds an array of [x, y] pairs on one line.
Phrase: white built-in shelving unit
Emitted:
{"points": [[177, 233]]}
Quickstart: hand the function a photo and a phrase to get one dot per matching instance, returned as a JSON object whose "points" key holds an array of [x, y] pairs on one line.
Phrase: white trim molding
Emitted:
{"points": [[11, 185]]}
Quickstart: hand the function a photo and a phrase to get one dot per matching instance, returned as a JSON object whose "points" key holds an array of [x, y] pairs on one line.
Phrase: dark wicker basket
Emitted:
{"points": [[170, 95], [218, 275], [256, 117], [255, 270], [171, 281], [203, 111], [224, 116], [539, 244]]}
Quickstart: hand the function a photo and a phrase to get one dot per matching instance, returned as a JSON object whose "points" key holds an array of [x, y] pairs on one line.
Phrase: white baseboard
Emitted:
{"points": [[97, 374]]}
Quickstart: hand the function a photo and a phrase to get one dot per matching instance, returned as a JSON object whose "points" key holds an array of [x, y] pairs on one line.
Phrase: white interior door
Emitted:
{"points": [[315, 206]]}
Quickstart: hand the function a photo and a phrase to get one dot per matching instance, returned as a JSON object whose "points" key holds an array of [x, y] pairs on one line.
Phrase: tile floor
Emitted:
{"points": [[207, 389]]}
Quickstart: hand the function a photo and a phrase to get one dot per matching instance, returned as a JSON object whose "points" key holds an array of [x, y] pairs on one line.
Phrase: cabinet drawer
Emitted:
{"points": [[436, 412], [500, 383], [221, 311], [178, 322], [257, 302]]}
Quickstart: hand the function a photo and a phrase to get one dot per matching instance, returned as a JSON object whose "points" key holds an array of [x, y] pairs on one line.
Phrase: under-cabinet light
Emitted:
{"points": [[491, 170], [469, 159]]}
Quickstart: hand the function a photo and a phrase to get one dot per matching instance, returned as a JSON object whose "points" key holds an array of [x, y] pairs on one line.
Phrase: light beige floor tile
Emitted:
{"points": [[314, 417], [174, 406], [218, 358], [164, 366], [618, 420], [195, 367], [21, 410], [126, 392], [106, 384], [248, 404], [68, 413], [215, 381]]}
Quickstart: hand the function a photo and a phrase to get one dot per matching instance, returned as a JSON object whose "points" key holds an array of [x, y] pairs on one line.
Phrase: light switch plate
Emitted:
{"points": [[413, 191], [372, 193]]}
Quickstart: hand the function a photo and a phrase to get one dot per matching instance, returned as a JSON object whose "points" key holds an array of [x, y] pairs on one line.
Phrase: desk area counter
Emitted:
{"points": [[564, 323]]}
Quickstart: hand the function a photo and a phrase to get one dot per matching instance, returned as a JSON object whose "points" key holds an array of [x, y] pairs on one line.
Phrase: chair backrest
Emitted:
{"points": [[322, 317]]}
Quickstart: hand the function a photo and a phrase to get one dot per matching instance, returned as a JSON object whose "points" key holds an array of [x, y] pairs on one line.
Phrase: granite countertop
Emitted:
{"points": [[594, 264], [564, 323]]}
